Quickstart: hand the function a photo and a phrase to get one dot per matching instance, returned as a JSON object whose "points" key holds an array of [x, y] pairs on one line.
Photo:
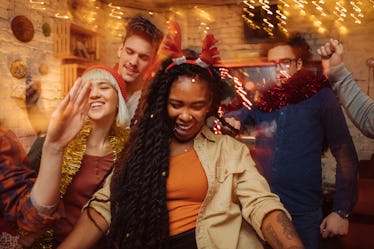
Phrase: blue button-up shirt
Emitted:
{"points": [[288, 149]]}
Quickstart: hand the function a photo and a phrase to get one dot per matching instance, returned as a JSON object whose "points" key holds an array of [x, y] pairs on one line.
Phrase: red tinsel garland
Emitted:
{"points": [[301, 86]]}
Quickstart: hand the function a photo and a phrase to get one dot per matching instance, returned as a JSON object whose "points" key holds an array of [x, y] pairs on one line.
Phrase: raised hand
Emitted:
{"points": [[69, 116], [331, 54]]}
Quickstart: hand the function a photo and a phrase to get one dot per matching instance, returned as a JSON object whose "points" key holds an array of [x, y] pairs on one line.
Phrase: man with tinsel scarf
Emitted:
{"points": [[295, 120]]}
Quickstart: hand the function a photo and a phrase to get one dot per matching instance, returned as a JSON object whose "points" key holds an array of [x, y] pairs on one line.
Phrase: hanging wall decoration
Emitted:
{"points": [[46, 28], [18, 69], [43, 69], [22, 28]]}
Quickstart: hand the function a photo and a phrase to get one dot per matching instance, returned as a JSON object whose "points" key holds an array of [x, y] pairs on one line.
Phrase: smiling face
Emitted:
{"points": [[103, 102], [135, 55], [188, 104]]}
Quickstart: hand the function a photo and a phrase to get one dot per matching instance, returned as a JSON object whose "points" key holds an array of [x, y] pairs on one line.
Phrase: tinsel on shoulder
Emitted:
{"points": [[301, 86], [71, 164], [75, 150]]}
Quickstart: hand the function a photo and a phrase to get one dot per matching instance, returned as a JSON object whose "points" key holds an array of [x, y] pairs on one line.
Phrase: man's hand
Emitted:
{"points": [[331, 54], [233, 122], [230, 126], [334, 225]]}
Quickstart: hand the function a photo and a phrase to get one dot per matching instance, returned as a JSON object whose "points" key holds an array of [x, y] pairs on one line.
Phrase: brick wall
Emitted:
{"points": [[225, 22], [34, 53]]}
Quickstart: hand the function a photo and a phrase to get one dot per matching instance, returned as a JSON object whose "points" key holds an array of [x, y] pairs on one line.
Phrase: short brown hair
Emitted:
{"points": [[299, 46], [139, 25]]}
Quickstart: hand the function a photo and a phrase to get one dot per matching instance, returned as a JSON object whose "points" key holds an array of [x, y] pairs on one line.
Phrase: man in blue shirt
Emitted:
{"points": [[295, 120]]}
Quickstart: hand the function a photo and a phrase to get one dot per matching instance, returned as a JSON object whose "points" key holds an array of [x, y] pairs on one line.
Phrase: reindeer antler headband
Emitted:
{"points": [[172, 45]]}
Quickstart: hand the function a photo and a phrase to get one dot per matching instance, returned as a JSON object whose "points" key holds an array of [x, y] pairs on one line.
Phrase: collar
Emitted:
{"points": [[206, 133]]}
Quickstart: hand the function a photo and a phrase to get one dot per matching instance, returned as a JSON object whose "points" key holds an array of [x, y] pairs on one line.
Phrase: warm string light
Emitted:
{"points": [[251, 24], [281, 16], [284, 3], [217, 127], [64, 12], [318, 6], [357, 10], [247, 10], [115, 11], [300, 4], [239, 88], [320, 12], [205, 18], [269, 27], [268, 24], [250, 4], [38, 5], [340, 11], [204, 28], [266, 6]]}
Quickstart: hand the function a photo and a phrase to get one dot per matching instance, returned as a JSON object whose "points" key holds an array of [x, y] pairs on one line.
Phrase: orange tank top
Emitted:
{"points": [[187, 186]]}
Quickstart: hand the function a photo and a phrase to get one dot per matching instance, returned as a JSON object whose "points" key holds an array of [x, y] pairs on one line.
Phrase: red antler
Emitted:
{"points": [[171, 46], [209, 53], [172, 43]]}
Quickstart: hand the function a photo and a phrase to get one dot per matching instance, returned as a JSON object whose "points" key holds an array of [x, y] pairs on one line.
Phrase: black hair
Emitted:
{"points": [[138, 188]]}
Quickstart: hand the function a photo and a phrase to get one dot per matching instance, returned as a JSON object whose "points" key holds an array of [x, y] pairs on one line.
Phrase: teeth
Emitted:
{"points": [[183, 127], [95, 104]]}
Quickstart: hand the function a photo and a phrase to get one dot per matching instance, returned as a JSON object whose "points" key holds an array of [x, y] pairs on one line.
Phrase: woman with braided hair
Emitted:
{"points": [[181, 186], [178, 185]]}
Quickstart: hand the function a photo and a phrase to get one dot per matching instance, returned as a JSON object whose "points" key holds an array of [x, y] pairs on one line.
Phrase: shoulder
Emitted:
{"points": [[6, 134], [229, 141], [8, 139], [224, 143], [325, 97], [329, 98], [327, 91]]}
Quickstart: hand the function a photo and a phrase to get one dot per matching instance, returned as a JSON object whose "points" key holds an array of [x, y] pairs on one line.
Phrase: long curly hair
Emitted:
{"points": [[138, 188]]}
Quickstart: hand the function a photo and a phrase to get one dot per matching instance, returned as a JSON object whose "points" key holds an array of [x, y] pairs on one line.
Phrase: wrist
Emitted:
{"points": [[342, 214], [53, 147]]}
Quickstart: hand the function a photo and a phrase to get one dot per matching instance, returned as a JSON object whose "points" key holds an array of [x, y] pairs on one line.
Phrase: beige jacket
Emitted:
{"points": [[238, 196]]}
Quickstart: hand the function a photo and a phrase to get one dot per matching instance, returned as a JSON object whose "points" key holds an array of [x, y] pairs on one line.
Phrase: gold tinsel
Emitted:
{"points": [[71, 164]]}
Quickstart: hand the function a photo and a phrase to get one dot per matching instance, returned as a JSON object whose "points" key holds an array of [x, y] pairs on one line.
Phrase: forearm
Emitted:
{"points": [[359, 106], [347, 164], [86, 232], [46, 191], [279, 231]]}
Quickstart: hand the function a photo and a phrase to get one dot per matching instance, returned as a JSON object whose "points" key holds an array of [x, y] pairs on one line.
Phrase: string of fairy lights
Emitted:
{"points": [[270, 16], [321, 13]]}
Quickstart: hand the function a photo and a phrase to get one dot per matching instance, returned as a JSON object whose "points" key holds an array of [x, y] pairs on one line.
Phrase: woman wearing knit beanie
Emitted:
{"points": [[85, 135]]}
